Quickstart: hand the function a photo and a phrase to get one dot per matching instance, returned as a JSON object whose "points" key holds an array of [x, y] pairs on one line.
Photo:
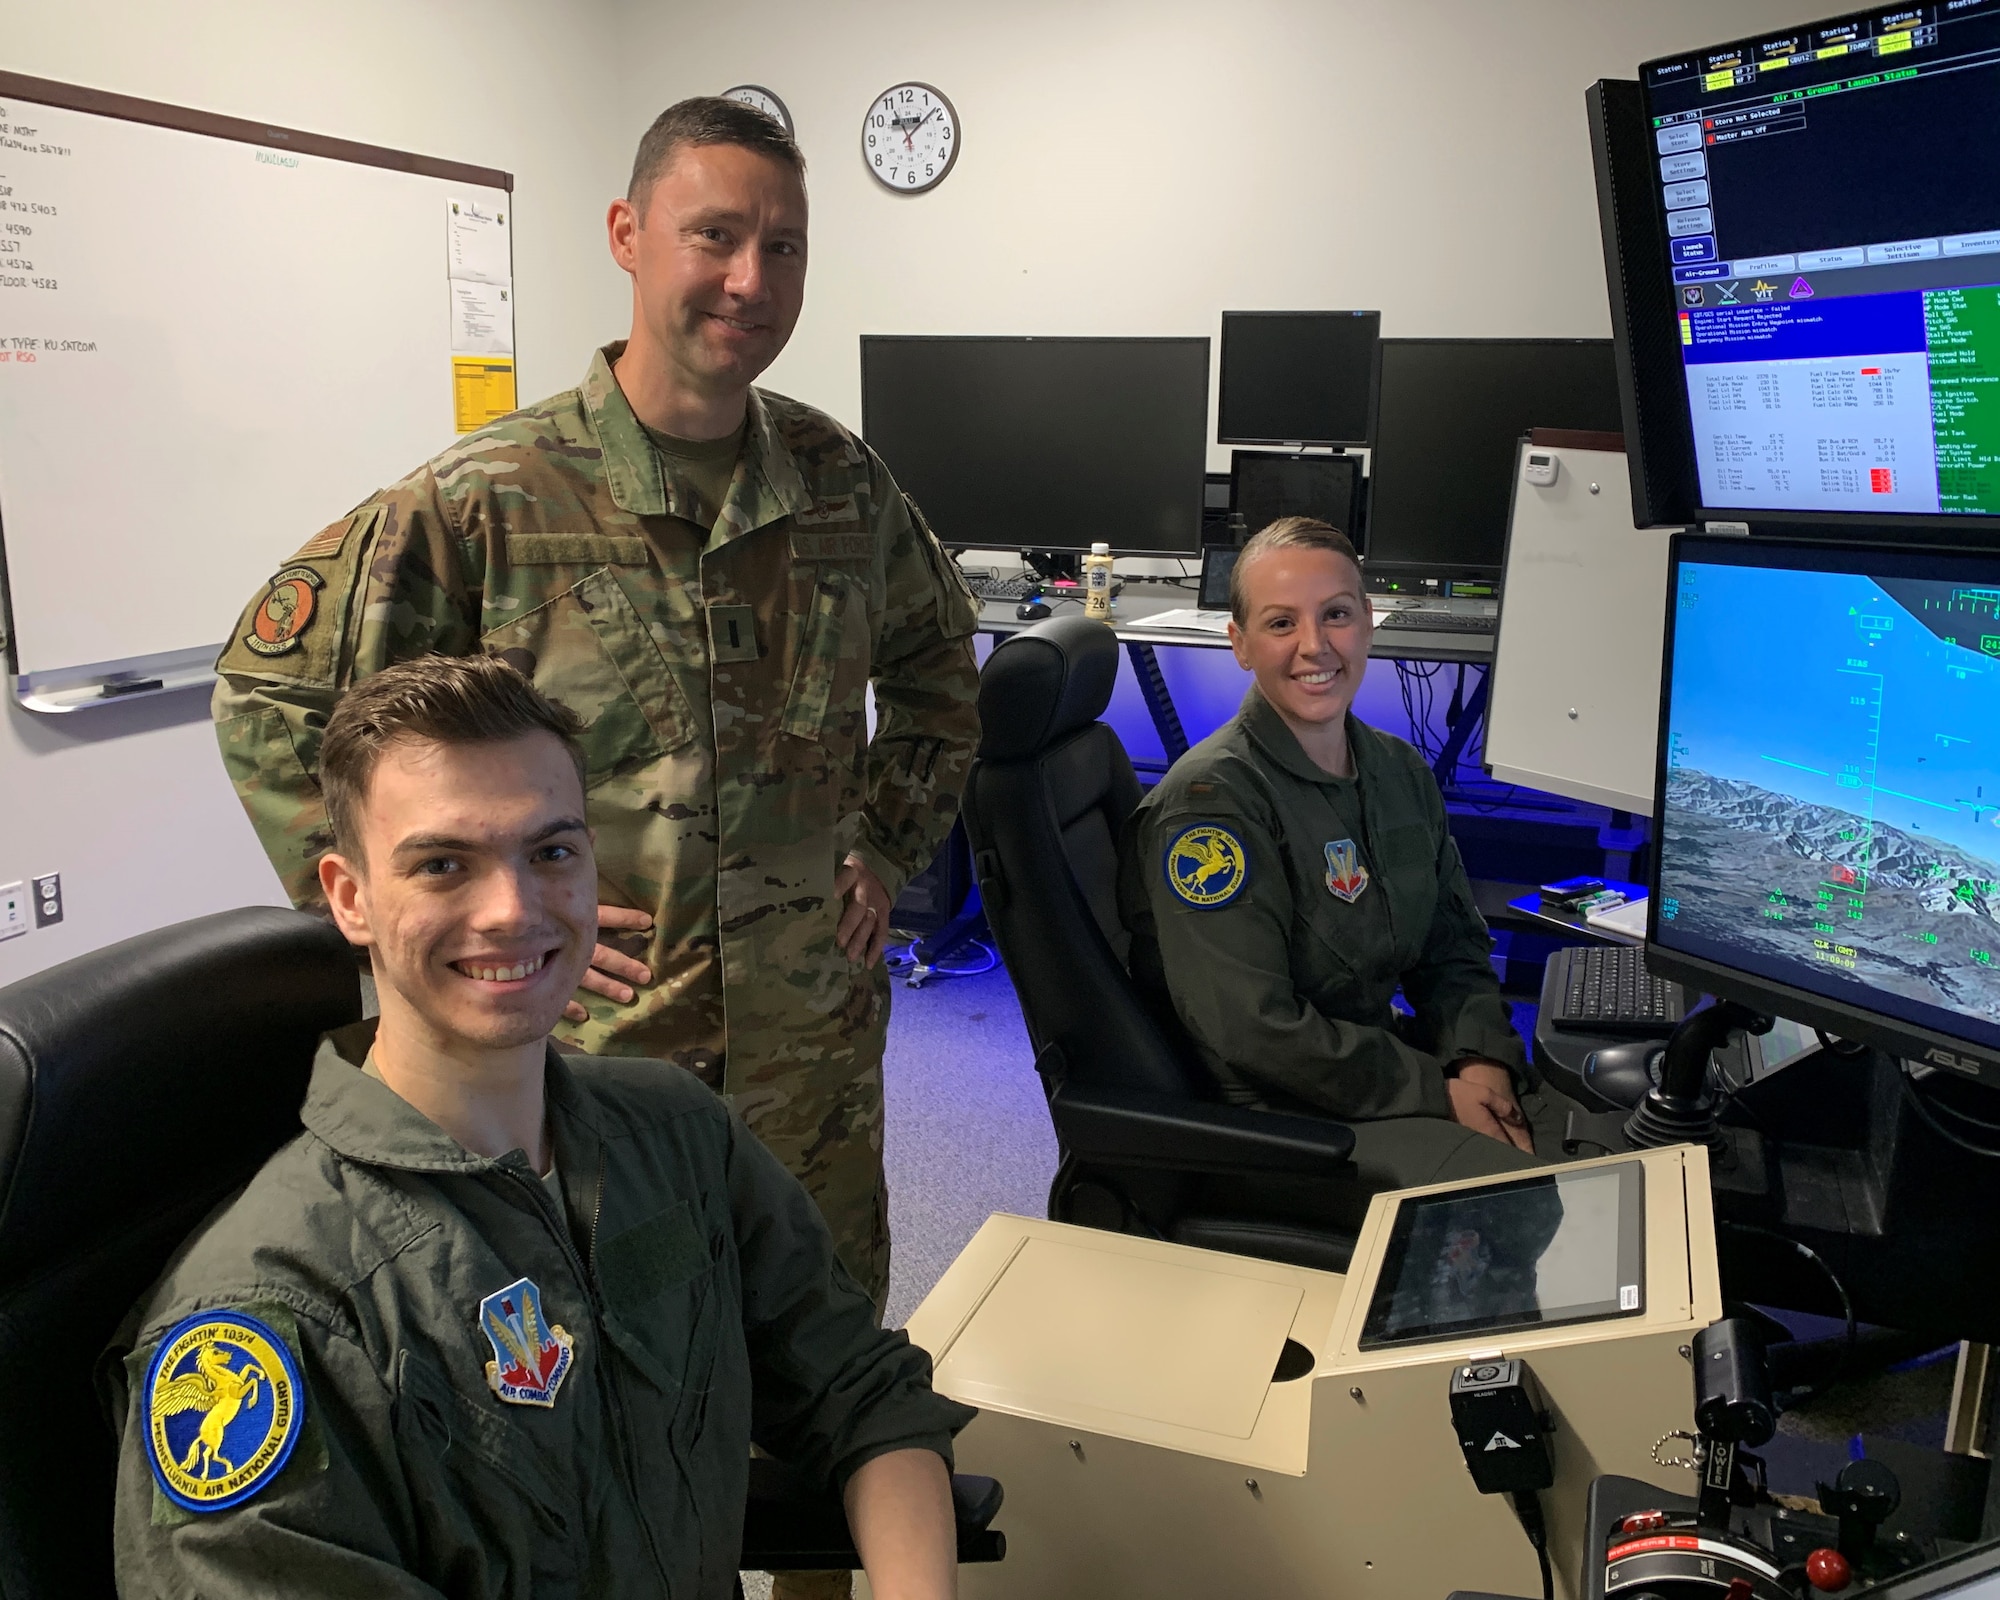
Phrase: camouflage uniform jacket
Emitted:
{"points": [[721, 675], [695, 1288], [1337, 891]]}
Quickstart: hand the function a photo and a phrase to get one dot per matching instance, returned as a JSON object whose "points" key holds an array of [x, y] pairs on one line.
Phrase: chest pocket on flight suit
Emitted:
{"points": [[492, 1491], [1407, 874], [589, 649], [662, 1304], [826, 703]]}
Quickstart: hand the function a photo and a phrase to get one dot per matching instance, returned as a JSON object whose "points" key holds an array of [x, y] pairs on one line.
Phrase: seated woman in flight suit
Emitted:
{"points": [[1294, 869]]}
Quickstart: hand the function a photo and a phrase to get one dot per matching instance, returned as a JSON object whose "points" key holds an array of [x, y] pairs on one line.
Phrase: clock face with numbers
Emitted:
{"points": [[910, 138], [758, 98]]}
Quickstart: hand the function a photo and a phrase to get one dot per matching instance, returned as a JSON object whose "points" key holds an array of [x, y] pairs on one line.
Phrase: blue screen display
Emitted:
{"points": [[1831, 811]]}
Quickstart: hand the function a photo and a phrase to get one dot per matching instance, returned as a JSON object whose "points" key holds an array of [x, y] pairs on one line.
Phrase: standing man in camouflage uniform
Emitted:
{"points": [[711, 577]]}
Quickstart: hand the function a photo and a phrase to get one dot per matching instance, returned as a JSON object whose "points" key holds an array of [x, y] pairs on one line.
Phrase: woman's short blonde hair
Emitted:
{"points": [[1287, 533]]}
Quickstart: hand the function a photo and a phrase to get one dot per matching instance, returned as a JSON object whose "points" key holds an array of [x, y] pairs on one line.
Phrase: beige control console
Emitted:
{"points": [[1178, 1422]]}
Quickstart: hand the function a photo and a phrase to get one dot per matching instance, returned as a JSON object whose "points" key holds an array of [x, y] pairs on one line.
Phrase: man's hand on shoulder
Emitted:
{"points": [[899, 1510], [612, 973]]}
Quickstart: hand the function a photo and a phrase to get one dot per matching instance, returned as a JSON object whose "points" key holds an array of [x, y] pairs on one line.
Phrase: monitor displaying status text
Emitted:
{"points": [[1832, 206]]}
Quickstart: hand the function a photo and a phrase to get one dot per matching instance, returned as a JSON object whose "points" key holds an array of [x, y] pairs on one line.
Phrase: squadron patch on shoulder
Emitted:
{"points": [[1346, 877], [286, 613], [224, 1406], [531, 1357], [1206, 865]]}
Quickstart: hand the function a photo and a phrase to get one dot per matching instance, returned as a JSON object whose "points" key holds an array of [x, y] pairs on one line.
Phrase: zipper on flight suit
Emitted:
{"points": [[619, 1425]]}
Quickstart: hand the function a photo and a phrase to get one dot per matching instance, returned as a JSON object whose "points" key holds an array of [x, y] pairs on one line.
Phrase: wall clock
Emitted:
{"points": [[910, 138], [758, 98]]}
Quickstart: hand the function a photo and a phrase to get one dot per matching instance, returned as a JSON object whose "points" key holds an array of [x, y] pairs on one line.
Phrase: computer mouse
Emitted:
{"points": [[1032, 611], [1621, 1074]]}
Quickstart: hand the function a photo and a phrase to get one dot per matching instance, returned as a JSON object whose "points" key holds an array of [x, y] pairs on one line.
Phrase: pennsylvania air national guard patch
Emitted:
{"points": [[224, 1406], [530, 1358], [1206, 865]]}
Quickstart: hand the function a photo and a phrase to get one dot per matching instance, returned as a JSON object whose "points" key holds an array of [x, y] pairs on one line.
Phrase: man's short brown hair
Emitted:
{"points": [[449, 700], [1287, 533], [707, 119]]}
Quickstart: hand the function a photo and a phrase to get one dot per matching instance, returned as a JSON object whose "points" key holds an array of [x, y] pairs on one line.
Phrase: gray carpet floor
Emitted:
{"points": [[967, 1129]]}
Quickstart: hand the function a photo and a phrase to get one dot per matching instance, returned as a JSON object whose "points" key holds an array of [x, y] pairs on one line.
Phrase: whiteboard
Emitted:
{"points": [[1573, 703], [215, 338]]}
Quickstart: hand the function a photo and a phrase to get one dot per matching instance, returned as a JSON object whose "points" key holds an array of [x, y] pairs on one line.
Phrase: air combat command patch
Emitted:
{"points": [[224, 1406], [286, 613], [1206, 865], [530, 1357], [1346, 877]]}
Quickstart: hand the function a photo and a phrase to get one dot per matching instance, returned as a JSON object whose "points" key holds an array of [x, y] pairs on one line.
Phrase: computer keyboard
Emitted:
{"points": [[1607, 989], [991, 588], [1437, 622]]}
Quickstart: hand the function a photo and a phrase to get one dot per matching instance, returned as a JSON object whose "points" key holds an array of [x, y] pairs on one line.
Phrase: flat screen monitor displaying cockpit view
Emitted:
{"points": [[1829, 810], [1543, 1251]]}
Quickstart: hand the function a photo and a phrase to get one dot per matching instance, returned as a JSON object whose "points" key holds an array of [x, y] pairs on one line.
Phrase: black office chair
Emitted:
{"points": [[1147, 1147], [139, 1085]]}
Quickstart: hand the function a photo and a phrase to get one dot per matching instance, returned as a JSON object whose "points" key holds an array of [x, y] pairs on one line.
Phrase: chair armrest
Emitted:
{"points": [[1135, 1128], [793, 1525]]}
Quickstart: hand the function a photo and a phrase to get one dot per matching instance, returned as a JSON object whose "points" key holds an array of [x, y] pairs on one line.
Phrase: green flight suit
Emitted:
{"points": [[697, 1288], [721, 667], [1280, 956]]}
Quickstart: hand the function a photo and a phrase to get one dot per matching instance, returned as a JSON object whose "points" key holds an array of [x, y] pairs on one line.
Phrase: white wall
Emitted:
{"points": [[1135, 166], [130, 803], [1129, 166]]}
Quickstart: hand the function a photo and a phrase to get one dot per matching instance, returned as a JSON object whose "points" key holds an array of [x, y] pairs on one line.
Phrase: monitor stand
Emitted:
{"points": [[1055, 566]]}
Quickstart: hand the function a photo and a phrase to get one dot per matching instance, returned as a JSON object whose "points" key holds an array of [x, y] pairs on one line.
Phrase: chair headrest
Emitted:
{"points": [[1043, 683], [132, 1076]]}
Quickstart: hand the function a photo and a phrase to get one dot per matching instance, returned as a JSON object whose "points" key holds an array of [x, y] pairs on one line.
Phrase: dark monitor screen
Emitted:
{"points": [[1830, 200], [1450, 416], [1297, 377], [1828, 801], [1218, 561], [1569, 1247], [1047, 444], [1267, 485]]}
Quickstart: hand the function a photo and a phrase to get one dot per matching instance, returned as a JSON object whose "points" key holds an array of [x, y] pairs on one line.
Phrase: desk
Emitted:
{"points": [[1141, 600]]}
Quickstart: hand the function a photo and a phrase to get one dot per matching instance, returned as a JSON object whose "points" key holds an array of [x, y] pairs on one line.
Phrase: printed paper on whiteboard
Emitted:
{"points": [[477, 244], [482, 318]]}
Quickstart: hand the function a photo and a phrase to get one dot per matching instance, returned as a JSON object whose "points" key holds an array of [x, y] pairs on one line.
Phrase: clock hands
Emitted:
{"points": [[908, 126]]}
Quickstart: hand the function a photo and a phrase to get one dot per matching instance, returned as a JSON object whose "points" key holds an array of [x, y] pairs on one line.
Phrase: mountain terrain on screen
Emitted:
{"points": [[1880, 906]]}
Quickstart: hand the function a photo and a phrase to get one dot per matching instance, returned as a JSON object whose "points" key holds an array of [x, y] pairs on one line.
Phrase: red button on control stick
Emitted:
{"points": [[1828, 1571]]}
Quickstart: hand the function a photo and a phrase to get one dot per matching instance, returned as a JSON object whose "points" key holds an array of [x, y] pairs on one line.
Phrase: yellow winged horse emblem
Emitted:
{"points": [[218, 1391]]}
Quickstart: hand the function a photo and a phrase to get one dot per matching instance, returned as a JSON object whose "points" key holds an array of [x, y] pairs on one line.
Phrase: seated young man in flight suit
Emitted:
{"points": [[1294, 869], [502, 1322]]}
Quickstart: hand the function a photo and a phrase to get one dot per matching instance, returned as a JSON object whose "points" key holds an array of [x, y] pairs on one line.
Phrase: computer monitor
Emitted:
{"points": [[1450, 415], [1827, 805], [1267, 484], [1829, 200], [1044, 443], [1297, 377]]}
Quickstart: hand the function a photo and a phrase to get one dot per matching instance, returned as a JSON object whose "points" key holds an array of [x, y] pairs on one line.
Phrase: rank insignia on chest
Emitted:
{"points": [[531, 1357], [286, 612], [1207, 865], [1346, 877], [224, 1406]]}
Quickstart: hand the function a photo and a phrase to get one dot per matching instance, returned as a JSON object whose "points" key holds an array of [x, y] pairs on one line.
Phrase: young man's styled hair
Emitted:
{"points": [[707, 119], [1287, 533], [441, 699]]}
